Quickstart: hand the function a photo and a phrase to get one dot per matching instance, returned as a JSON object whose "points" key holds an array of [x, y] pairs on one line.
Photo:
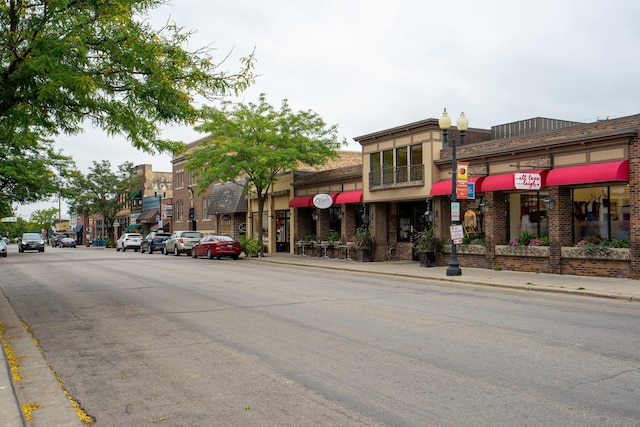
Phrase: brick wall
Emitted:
{"points": [[596, 267]]}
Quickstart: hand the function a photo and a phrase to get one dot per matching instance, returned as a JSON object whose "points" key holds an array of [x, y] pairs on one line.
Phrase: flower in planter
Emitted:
{"points": [[527, 238]]}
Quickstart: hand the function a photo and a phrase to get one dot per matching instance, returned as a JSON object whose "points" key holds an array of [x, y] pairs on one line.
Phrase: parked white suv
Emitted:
{"points": [[129, 241], [181, 242]]}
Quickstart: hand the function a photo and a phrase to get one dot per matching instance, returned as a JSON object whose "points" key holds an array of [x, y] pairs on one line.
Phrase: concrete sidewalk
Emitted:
{"points": [[57, 411], [627, 289]]}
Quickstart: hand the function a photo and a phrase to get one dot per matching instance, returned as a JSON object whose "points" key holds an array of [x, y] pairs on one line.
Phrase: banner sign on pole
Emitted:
{"points": [[462, 178]]}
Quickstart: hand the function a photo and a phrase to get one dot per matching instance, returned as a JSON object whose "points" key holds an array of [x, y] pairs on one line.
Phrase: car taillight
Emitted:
{"points": [[181, 240]]}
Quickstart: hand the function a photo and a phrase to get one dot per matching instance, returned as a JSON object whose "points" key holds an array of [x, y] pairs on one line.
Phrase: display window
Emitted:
{"points": [[528, 213], [601, 213]]}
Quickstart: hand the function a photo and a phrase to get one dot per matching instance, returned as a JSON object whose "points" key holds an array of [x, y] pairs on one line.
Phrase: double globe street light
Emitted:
{"points": [[462, 124]]}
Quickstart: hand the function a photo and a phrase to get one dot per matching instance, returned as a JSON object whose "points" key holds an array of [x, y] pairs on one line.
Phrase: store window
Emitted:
{"points": [[411, 219], [601, 212], [528, 212], [375, 168], [402, 161], [397, 166], [387, 168], [335, 219]]}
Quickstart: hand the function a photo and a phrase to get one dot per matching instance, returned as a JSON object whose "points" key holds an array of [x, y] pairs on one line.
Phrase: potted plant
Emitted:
{"points": [[364, 244], [334, 237], [427, 246]]}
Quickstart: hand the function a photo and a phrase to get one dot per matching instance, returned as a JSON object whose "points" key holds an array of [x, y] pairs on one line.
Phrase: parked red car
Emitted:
{"points": [[216, 247]]}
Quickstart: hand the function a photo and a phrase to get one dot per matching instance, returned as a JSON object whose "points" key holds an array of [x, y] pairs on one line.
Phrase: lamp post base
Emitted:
{"points": [[454, 270]]}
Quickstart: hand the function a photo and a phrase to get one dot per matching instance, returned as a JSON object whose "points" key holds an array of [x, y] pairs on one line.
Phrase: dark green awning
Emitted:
{"points": [[136, 194], [132, 227]]}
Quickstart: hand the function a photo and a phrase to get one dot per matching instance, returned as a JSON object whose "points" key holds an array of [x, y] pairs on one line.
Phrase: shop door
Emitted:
{"points": [[282, 231]]}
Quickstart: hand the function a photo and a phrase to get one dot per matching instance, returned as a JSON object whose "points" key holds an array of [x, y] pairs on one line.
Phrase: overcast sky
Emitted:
{"points": [[372, 65]]}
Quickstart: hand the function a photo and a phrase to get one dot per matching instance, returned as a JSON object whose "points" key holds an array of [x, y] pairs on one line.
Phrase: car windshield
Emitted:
{"points": [[193, 234], [134, 236], [31, 236], [224, 238]]}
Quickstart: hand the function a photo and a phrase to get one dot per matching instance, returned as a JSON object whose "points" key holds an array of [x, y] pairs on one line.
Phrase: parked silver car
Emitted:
{"points": [[181, 242]]}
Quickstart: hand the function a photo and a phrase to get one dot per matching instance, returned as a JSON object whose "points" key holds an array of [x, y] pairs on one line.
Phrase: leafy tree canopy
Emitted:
{"points": [[259, 142], [103, 191], [44, 218], [63, 62]]}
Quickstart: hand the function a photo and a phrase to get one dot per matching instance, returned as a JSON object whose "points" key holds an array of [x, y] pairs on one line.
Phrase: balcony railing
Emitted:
{"points": [[396, 177]]}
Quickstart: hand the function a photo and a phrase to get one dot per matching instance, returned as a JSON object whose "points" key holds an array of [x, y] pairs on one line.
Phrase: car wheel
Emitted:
{"points": [[236, 256], [165, 251], [209, 254], [176, 252], [41, 250], [193, 254], [124, 249], [150, 250]]}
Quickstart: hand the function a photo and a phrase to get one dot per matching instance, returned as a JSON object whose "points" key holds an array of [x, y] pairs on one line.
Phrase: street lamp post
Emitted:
{"points": [[462, 124]]}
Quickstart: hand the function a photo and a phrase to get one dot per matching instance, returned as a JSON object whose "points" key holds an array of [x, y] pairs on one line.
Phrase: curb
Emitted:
{"points": [[527, 287]]}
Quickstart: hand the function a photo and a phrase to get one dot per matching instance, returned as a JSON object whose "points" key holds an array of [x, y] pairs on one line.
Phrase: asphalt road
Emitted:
{"points": [[144, 339]]}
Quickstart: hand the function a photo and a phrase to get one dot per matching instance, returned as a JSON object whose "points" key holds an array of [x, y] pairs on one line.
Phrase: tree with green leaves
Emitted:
{"points": [[44, 218], [260, 142], [103, 191], [65, 63]]}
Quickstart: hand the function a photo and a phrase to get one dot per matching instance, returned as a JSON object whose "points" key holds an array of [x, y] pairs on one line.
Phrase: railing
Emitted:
{"points": [[395, 177]]}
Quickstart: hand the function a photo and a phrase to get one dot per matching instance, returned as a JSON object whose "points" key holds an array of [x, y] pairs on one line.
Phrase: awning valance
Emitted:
{"points": [[132, 227], [301, 202], [348, 197], [586, 174], [506, 181], [148, 216], [443, 187]]}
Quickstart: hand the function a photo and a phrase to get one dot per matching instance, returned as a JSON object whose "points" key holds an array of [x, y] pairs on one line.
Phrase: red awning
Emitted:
{"points": [[586, 174], [301, 202], [443, 187], [506, 181], [348, 197]]}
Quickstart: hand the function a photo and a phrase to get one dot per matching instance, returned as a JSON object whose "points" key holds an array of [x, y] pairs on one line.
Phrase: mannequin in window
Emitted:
{"points": [[604, 207], [525, 217], [591, 209]]}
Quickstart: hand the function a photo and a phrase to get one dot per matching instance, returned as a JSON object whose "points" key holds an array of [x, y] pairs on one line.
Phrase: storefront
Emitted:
{"points": [[557, 202]]}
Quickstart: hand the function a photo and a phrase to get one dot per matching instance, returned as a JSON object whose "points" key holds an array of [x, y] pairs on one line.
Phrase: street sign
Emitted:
{"points": [[455, 211], [457, 233]]}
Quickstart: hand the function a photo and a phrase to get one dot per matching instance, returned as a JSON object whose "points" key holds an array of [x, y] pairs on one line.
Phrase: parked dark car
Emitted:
{"points": [[31, 242], [67, 242], [55, 240], [154, 241], [216, 247]]}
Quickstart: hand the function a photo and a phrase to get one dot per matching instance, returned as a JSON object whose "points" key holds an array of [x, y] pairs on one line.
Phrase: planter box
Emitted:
{"points": [[467, 249], [621, 254], [529, 251]]}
